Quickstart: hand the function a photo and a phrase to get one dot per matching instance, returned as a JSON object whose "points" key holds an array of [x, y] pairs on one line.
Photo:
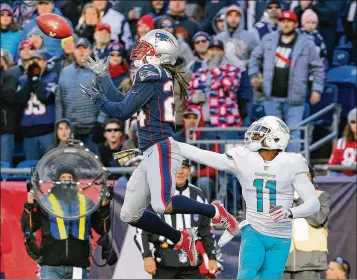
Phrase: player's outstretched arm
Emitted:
{"points": [[100, 69], [211, 159], [306, 191]]}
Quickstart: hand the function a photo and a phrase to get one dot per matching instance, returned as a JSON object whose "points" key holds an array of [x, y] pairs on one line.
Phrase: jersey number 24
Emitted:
{"points": [[168, 104], [271, 185]]}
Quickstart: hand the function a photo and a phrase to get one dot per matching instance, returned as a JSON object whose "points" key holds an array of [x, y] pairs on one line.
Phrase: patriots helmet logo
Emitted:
{"points": [[163, 37]]}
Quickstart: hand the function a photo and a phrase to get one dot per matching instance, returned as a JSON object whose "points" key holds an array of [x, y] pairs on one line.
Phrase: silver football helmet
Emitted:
{"points": [[157, 47], [269, 133]]}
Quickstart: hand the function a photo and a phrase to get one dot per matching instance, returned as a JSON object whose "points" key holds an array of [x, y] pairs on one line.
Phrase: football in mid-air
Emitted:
{"points": [[54, 26]]}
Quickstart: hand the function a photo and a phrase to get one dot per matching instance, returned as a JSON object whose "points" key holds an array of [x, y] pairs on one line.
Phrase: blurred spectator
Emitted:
{"points": [[37, 95], [339, 268], [308, 257], [73, 10], [52, 46], [185, 26], [10, 35], [63, 130], [234, 29], [24, 11], [220, 89], [37, 38], [345, 150], [114, 136], [294, 56], [351, 27], [88, 21], [7, 117], [203, 176], [102, 40], [132, 142], [68, 45], [118, 66], [133, 10], [72, 103], [144, 25], [158, 8], [212, 9], [6, 59], [119, 26], [270, 23], [201, 41], [218, 21], [302, 7], [309, 22]]}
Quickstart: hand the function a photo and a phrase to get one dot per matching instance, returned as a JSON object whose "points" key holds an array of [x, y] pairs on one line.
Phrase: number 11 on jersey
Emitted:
{"points": [[271, 185]]}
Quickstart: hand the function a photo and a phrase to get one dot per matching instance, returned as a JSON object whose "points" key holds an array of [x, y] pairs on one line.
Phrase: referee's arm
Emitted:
{"points": [[141, 240]]}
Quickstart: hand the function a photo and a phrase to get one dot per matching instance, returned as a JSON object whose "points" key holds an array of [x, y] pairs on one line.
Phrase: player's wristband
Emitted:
{"points": [[290, 215]]}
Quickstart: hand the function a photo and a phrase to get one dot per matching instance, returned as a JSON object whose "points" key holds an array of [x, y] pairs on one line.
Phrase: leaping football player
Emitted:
{"points": [[268, 176], [154, 179]]}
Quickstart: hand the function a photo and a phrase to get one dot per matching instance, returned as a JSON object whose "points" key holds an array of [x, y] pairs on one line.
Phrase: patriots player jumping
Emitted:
{"points": [[269, 176], [154, 179]]}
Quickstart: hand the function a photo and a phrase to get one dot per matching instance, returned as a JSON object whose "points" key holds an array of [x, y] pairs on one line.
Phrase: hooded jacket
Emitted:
{"points": [[239, 33], [220, 12], [199, 135]]}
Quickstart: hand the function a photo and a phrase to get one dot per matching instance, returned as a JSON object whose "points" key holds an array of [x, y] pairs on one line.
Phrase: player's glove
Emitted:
{"points": [[94, 94], [280, 213], [97, 66], [124, 156]]}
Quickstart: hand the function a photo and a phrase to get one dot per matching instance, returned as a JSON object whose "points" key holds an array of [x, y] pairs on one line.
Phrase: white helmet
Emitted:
{"points": [[274, 133], [157, 47]]}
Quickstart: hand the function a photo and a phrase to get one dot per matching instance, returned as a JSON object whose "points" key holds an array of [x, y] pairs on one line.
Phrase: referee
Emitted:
{"points": [[166, 262]]}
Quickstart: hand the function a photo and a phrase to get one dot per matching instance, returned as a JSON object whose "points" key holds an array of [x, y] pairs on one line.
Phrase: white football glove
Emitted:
{"points": [[279, 213], [97, 66]]}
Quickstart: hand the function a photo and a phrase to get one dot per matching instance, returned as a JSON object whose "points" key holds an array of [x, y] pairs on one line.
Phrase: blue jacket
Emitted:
{"points": [[10, 41], [52, 45], [305, 60], [40, 100]]}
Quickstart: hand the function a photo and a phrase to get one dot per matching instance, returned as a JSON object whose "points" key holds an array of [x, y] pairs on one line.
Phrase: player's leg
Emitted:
{"points": [[137, 198], [276, 255], [251, 254]]}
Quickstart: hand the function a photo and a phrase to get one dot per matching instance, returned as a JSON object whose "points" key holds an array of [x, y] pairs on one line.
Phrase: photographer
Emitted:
{"points": [[65, 246], [36, 94], [167, 262]]}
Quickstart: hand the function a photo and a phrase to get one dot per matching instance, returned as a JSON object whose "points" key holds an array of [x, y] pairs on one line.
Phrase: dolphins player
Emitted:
{"points": [[269, 176]]}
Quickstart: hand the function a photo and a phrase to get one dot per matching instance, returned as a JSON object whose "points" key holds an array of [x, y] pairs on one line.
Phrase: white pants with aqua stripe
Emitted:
{"points": [[153, 181]]}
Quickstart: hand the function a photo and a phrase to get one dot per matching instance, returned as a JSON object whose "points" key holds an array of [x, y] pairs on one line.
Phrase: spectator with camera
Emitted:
{"points": [[286, 58], [65, 245], [308, 256], [167, 262], [9, 34], [345, 150], [72, 103], [36, 94], [88, 22], [120, 30]]}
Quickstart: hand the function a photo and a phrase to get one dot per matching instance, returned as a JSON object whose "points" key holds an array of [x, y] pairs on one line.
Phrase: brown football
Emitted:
{"points": [[54, 26]]}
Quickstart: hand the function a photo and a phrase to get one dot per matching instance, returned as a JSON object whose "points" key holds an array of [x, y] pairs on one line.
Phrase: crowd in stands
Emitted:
{"points": [[237, 56]]}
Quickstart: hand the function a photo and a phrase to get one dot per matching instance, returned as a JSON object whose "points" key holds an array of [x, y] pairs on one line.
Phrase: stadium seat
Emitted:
{"points": [[343, 44], [340, 58], [4, 164], [257, 111], [344, 77], [329, 96], [23, 164]]}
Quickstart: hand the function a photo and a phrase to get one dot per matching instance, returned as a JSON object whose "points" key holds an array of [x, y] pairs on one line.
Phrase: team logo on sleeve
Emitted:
{"points": [[143, 74]]}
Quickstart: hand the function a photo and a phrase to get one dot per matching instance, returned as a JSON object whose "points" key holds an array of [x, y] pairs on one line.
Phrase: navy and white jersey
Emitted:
{"points": [[152, 98]]}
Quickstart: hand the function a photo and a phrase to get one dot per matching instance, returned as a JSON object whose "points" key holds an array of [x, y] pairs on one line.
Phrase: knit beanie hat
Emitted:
{"points": [[148, 20], [309, 15]]}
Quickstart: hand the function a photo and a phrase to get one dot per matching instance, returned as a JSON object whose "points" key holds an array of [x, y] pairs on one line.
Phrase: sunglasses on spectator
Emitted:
{"points": [[344, 265], [201, 41], [353, 121], [167, 25], [273, 7], [112, 129], [26, 48]]}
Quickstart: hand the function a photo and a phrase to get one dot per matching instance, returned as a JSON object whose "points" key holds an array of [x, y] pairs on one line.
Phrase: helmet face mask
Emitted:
{"points": [[269, 133], [156, 47]]}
